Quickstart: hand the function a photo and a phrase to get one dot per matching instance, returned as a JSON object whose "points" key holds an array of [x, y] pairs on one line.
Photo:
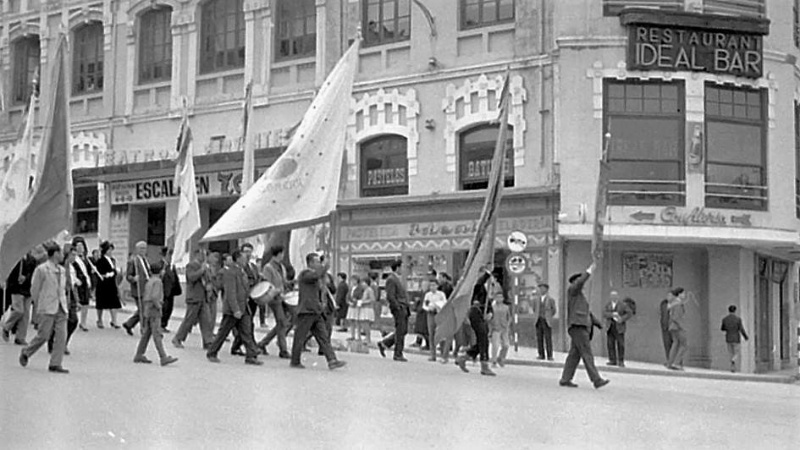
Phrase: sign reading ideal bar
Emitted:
{"points": [[695, 42]]}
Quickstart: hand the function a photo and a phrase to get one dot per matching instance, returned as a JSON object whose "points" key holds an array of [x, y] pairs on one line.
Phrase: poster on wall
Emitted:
{"points": [[647, 270]]}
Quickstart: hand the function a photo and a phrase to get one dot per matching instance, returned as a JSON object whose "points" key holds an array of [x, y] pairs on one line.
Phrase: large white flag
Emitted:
{"points": [[302, 186], [188, 220], [15, 192]]}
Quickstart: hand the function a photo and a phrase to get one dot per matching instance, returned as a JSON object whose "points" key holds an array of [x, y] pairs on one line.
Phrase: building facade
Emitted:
{"points": [[694, 101]]}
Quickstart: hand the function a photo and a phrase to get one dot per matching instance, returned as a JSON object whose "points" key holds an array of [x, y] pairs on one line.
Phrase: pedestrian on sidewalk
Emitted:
{"points": [[137, 274], [152, 304], [313, 295], [666, 337], [362, 313], [500, 327], [342, 301], [397, 296], [734, 331], [544, 309], [172, 287], [197, 311], [579, 321], [49, 295], [107, 290], [235, 312], [19, 289], [432, 303], [677, 328], [616, 313]]}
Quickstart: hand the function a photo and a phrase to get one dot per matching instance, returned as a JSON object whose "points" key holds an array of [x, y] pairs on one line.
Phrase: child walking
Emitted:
{"points": [[500, 325], [152, 302]]}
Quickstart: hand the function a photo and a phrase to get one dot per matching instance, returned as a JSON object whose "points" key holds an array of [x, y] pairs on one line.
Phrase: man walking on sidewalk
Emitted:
{"points": [[544, 309], [397, 297], [677, 328], [734, 331], [579, 321], [49, 294]]}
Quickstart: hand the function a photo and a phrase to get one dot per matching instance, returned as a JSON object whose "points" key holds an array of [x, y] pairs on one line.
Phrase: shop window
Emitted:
{"points": [[479, 13], [85, 209], [156, 225], [87, 63], [155, 46], [736, 172], [222, 36], [645, 121], [614, 7], [297, 29], [384, 166], [752, 8], [797, 159], [26, 65], [475, 158], [386, 21]]}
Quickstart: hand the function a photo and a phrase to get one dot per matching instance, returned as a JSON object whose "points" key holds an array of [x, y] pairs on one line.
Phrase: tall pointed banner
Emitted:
{"points": [[15, 189], [249, 163], [302, 186], [49, 210], [601, 203], [187, 222], [452, 315]]}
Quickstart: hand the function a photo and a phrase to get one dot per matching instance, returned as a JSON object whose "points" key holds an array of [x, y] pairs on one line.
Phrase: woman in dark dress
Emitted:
{"points": [[107, 295]]}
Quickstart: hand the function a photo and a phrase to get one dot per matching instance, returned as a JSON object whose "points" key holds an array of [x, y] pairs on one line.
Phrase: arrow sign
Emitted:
{"points": [[641, 216], [743, 220]]}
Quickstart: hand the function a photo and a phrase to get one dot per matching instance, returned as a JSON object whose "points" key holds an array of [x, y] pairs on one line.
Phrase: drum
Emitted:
{"points": [[292, 298], [263, 292]]}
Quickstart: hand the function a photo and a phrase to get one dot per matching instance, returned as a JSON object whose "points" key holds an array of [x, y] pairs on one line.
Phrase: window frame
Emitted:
{"points": [[365, 4], [363, 170], [510, 173], [22, 90], [207, 58], [297, 8], [613, 8], [645, 198], [763, 124], [86, 31], [462, 13], [166, 61], [797, 158], [755, 8], [92, 209]]}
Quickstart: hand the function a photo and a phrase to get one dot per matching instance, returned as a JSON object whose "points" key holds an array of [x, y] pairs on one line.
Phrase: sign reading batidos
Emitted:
{"points": [[657, 47]]}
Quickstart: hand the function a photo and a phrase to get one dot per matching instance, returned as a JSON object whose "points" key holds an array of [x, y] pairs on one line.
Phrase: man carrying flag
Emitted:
{"points": [[187, 221]]}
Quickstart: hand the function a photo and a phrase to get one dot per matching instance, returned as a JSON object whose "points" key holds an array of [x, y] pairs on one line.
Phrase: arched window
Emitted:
{"points": [[476, 147], [155, 45], [297, 29], [384, 166], [26, 63], [87, 59], [222, 36]]}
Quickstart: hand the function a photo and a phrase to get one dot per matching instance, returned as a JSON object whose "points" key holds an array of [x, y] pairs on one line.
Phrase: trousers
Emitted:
{"points": [[19, 317], [481, 328], [616, 345], [251, 311], [49, 324], [398, 338], [280, 329], [245, 327], [580, 349], [196, 313], [500, 345], [166, 310], [151, 327], [72, 325], [317, 326], [666, 338], [679, 347], [544, 338]]}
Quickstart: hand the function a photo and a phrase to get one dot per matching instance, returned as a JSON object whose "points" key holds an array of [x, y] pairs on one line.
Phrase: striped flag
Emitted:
{"points": [[452, 315], [49, 210], [601, 203], [187, 222]]}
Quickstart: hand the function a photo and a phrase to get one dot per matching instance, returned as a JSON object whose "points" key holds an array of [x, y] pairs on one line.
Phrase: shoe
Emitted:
{"points": [[400, 359], [115, 326], [66, 352], [621, 364], [297, 366], [206, 346], [100, 325], [540, 358], [501, 363], [673, 367], [425, 347], [432, 359], [168, 360], [57, 369], [320, 353], [284, 356], [567, 384], [253, 362], [485, 370], [165, 330], [263, 349], [494, 364], [6, 336], [333, 365], [237, 352], [83, 328], [23, 359], [600, 383], [445, 361], [550, 359], [461, 362], [611, 363], [176, 343], [212, 358], [382, 349], [342, 330], [128, 329], [142, 360], [21, 342]]}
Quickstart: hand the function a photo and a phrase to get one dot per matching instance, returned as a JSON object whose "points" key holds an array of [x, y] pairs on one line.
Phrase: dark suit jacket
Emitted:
{"points": [[396, 293], [624, 312], [549, 309], [733, 328], [195, 290], [235, 290], [310, 291], [577, 305], [137, 275], [171, 283], [26, 265]]}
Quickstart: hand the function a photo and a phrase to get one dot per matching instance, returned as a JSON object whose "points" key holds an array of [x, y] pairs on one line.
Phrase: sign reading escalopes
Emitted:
{"points": [[695, 42]]}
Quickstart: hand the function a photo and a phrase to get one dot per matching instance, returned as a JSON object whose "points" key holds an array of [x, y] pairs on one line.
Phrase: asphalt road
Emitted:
{"points": [[109, 402]]}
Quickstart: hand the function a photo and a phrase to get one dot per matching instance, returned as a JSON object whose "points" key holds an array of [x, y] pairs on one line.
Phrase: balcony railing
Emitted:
{"points": [[736, 196], [647, 192], [613, 7], [753, 8]]}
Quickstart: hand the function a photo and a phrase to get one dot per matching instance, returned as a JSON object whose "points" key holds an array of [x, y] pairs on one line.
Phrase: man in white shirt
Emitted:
{"points": [[432, 303], [49, 294]]}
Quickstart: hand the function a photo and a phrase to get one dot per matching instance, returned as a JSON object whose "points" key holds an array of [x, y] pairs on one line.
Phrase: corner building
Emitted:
{"points": [[700, 136]]}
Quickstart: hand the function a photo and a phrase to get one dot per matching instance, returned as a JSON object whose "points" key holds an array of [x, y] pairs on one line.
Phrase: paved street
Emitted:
{"points": [[109, 402]]}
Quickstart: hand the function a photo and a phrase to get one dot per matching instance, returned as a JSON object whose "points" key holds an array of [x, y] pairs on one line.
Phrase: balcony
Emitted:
{"points": [[647, 192], [750, 8], [613, 7]]}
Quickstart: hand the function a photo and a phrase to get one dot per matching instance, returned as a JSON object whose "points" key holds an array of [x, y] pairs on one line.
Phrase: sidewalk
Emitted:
{"points": [[526, 356]]}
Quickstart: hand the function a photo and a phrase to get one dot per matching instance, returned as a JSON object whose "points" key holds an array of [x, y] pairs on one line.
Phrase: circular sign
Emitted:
{"points": [[516, 264], [517, 241]]}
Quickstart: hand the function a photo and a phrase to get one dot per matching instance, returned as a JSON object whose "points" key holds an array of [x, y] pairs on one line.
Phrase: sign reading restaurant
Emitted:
{"points": [[695, 42]]}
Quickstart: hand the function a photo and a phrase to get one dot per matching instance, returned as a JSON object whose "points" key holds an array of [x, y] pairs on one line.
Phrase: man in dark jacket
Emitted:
{"points": [[310, 312], [172, 287], [137, 274], [397, 297], [19, 289], [579, 321], [342, 294], [479, 315], [235, 313], [197, 280], [616, 313], [666, 337], [734, 331]]}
